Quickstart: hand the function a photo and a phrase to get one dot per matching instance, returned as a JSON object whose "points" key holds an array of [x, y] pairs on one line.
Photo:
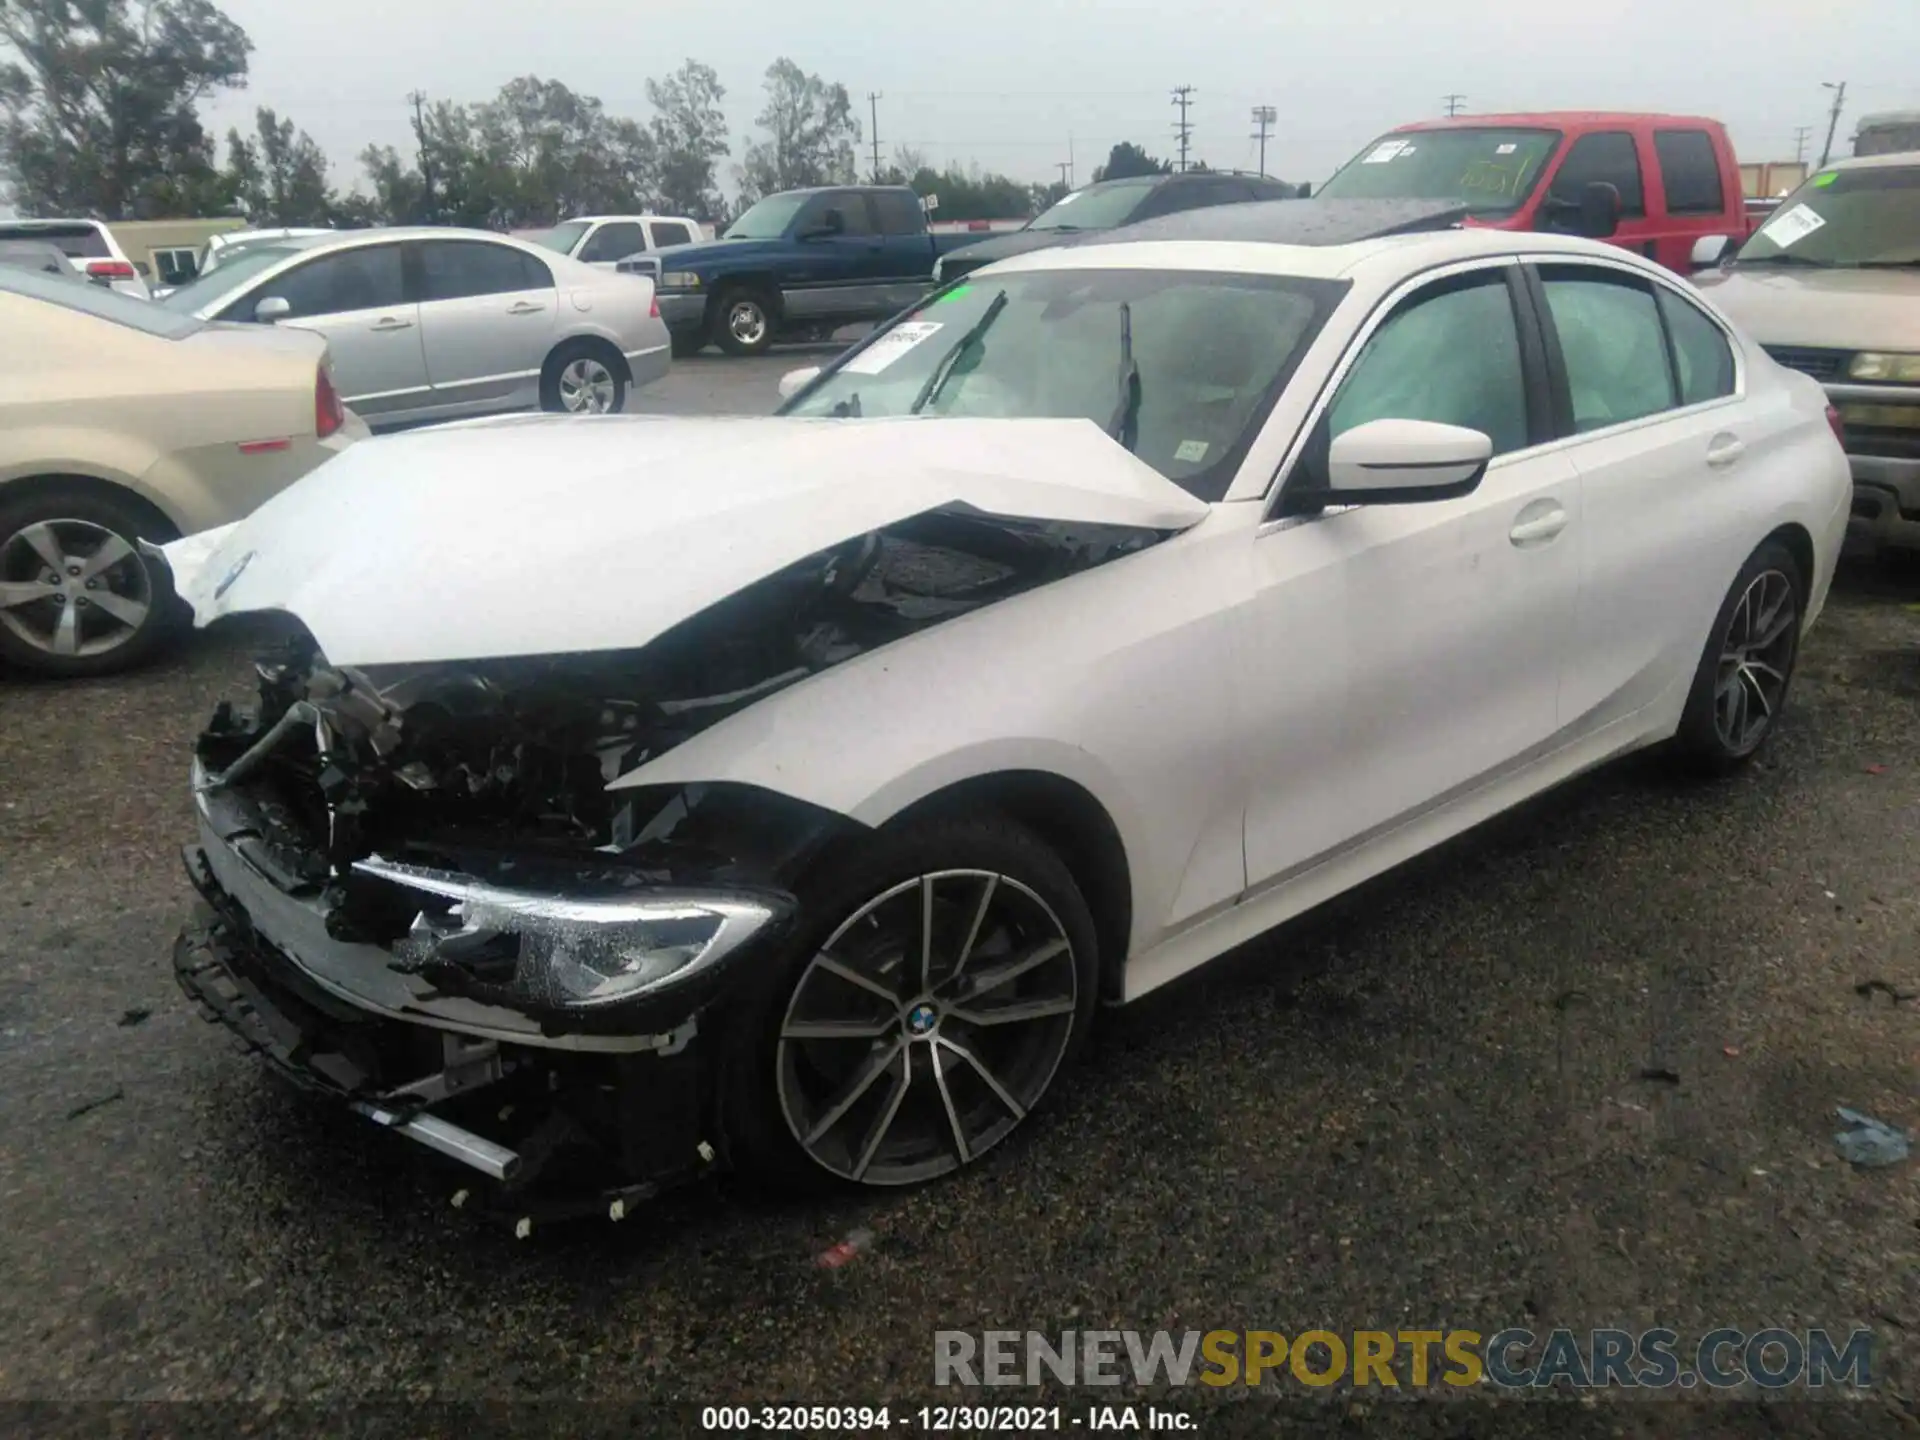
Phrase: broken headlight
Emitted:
{"points": [[565, 951]]}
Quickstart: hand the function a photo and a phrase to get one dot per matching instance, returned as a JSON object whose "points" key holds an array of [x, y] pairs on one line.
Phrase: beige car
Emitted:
{"points": [[121, 421], [1830, 285]]}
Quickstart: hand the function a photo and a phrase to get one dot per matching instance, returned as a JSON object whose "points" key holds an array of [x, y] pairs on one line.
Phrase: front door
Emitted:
{"points": [[357, 298], [840, 276], [487, 316], [1613, 157], [1441, 625]]}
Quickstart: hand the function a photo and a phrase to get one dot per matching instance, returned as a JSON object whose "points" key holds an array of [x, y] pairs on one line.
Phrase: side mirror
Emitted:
{"points": [[1599, 210], [794, 381], [1402, 462], [1304, 192], [1710, 250], [274, 307]]}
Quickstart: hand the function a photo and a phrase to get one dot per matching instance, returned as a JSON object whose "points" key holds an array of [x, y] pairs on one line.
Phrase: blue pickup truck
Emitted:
{"points": [[797, 263]]}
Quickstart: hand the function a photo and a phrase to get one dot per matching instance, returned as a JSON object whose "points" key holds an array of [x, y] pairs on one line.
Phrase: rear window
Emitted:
{"points": [[76, 242], [1689, 172], [100, 303]]}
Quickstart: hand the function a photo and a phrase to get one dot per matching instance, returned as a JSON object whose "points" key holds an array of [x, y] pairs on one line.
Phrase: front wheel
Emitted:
{"points": [[743, 322], [939, 980], [1743, 677]]}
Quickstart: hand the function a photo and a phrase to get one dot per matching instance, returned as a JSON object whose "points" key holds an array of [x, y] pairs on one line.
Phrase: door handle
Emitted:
{"points": [[390, 323], [1540, 528], [1724, 450], [527, 308]]}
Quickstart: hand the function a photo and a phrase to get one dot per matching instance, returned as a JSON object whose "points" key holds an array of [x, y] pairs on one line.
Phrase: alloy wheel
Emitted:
{"points": [[72, 588], [747, 322], [586, 387], [927, 1027], [1756, 657]]}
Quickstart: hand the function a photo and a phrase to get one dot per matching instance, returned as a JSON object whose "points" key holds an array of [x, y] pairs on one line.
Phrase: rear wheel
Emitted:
{"points": [[939, 980], [743, 321], [1743, 678], [583, 378], [76, 595]]}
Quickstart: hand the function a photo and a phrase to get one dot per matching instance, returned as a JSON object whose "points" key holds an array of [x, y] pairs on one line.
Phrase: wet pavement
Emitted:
{"points": [[1579, 1069]]}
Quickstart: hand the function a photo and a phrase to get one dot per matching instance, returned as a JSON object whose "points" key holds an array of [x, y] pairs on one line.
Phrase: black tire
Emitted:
{"points": [[725, 322], [593, 360], [687, 343], [1735, 704], [762, 1143], [80, 518]]}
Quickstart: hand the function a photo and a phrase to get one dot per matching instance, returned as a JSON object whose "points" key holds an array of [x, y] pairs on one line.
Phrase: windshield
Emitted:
{"points": [[561, 237], [768, 220], [1844, 219], [1098, 207], [235, 269], [1184, 364], [99, 302], [1491, 170]]}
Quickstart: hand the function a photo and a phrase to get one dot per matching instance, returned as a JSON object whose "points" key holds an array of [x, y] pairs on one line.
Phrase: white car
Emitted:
{"points": [[1102, 612], [90, 246], [604, 241], [433, 323]]}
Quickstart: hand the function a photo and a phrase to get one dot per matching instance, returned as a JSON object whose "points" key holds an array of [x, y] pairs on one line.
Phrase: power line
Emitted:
{"points": [[1183, 97], [1264, 116], [1452, 103], [874, 97], [1833, 123]]}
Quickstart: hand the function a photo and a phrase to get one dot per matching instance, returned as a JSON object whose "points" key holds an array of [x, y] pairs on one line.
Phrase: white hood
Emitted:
{"points": [[559, 535]]}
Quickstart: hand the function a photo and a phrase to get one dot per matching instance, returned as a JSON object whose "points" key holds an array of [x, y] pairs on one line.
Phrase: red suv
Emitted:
{"points": [[1656, 184]]}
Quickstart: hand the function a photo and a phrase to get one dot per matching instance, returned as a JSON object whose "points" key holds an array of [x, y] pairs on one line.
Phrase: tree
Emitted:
{"points": [[1127, 159], [811, 132], [549, 153], [280, 177], [98, 107], [689, 135]]}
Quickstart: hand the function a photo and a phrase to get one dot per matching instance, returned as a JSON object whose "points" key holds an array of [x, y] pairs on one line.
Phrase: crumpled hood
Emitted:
{"points": [[1822, 309], [554, 535]]}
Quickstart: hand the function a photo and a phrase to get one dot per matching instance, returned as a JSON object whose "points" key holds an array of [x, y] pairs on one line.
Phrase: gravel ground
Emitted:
{"points": [[1579, 1069]]}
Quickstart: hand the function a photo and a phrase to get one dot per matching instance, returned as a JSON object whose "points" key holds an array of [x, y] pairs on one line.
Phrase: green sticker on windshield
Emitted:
{"points": [[1827, 179], [954, 294]]}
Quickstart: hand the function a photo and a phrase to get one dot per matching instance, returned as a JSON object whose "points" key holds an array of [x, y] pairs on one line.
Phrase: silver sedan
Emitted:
{"points": [[431, 324]]}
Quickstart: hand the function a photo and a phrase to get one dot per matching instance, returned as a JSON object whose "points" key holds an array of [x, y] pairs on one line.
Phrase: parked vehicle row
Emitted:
{"points": [[1198, 572]]}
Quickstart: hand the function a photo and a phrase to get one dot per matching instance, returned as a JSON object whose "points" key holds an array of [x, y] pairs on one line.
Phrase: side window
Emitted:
{"points": [[176, 266], [670, 232], [615, 241], [1610, 156], [1613, 344], [1450, 354], [365, 278], [852, 206], [1701, 354], [898, 212], [1689, 172], [459, 269]]}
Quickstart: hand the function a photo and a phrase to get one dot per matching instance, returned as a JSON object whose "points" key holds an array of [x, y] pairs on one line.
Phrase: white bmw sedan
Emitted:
{"points": [[1117, 604]]}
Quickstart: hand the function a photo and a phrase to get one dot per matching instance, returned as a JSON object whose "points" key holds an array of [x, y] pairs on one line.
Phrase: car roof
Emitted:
{"points": [[388, 233], [1561, 120], [1290, 222], [1894, 159]]}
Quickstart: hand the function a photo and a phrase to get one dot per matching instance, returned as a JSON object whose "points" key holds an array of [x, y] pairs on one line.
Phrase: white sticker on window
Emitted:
{"points": [[884, 351], [1795, 225], [1192, 451], [1505, 149], [1384, 152]]}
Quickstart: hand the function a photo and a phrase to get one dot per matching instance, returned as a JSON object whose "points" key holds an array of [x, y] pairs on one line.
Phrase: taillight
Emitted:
{"points": [[653, 311], [110, 270], [1838, 425], [328, 413]]}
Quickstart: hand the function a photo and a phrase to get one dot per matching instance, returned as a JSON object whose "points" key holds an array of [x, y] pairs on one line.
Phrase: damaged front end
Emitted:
{"points": [[418, 886]]}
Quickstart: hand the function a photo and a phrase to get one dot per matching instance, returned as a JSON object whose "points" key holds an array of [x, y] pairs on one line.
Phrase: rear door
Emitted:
{"points": [[906, 246], [1694, 195], [358, 299], [1612, 156], [612, 242], [487, 317]]}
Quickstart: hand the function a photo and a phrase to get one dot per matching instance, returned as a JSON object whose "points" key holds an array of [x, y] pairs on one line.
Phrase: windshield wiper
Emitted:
{"points": [[1125, 425], [1913, 264], [1784, 260], [930, 391]]}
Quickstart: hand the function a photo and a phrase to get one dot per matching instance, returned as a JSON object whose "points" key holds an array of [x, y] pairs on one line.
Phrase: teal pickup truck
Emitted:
{"points": [[803, 262]]}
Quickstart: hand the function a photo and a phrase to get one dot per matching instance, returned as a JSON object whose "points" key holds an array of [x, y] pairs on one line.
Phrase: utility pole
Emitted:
{"points": [[1801, 134], [1453, 104], [418, 99], [1183, 97], [1065, 167], [1264, 116], [1833, 124], [874, 97]]}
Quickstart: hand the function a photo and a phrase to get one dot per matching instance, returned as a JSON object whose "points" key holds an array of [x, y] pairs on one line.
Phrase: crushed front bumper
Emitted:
{"points": [[556, 1133]]}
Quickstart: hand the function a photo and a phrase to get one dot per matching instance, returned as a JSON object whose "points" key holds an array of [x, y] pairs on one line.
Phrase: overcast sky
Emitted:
{"points": [[1011, 83]]}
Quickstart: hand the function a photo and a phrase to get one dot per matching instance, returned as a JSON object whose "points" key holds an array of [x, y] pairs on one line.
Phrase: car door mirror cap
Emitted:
{"points": [[1404, 462], [1711, 251], [272, 308], [794, 381]]}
